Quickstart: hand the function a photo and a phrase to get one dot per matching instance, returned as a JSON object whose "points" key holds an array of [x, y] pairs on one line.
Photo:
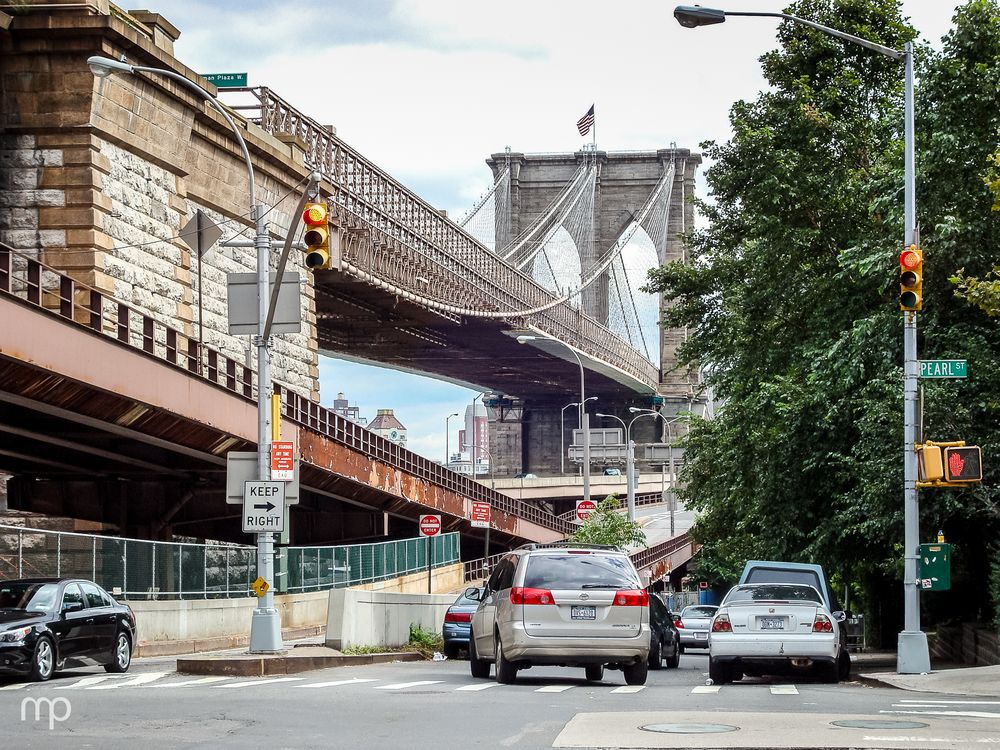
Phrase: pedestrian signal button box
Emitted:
{"points": [[935, 567]]}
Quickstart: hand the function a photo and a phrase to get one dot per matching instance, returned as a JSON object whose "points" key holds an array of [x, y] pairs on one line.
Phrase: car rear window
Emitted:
{"points": [[763, 592], [772, 575], [576, 571], [699, 611]]}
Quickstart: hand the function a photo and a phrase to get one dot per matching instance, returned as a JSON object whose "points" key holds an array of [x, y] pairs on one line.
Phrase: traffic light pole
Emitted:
{"points": [[912, 655]]}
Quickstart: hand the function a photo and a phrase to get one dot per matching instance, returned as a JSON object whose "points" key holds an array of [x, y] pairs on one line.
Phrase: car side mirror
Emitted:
{"points": [[839, 616], [72, 607], [474, 594]]}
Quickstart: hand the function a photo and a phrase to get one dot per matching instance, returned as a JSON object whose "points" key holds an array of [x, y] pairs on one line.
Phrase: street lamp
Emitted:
{"points": [[584, 420], [630, 455], [265, 625], [562, 435], [493, 486], [447, 438], [670, 457], [912, 656]]}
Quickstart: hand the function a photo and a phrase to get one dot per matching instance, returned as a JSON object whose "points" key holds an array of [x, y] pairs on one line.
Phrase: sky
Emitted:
{"points": [[428, 89]]}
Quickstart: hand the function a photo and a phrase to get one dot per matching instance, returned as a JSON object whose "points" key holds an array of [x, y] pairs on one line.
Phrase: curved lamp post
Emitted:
{"points": [[912, 654], [584, 420], [447, 438], [265, 626]]}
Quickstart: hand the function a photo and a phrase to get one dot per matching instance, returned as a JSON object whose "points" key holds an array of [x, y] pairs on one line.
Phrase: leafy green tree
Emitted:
{"points": [[793, 298], [608, 525]]}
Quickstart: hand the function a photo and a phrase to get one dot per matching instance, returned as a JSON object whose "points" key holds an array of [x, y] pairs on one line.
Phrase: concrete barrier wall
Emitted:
{"points": [[381, 618]]}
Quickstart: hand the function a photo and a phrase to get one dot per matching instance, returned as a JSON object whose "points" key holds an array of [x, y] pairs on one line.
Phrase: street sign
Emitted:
{"points": [[480, 515], [260, 587], [244, 310], [200, 233], [283, 461], [943, 368], [584, 508], [241, 467], [264, 506], [430, 525], [226, 80]]}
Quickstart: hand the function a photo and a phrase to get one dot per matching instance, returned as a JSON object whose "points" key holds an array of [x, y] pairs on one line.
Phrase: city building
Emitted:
{"points": [[386, 425], [344, 409]]}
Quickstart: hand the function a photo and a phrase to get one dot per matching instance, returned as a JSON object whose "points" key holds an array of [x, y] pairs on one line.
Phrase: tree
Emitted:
{"points": [[607, 525], [792, 295]]}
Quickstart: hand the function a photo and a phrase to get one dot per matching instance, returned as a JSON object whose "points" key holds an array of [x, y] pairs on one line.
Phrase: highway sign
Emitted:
{"points": [[283, 461], [943, 368], [241, 467], [430, 525], [260, 587], [584, 508], [480, 515], [264, 506]]}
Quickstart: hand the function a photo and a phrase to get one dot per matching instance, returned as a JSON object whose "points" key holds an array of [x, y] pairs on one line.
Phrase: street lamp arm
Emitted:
{"points": [[895, 54]]}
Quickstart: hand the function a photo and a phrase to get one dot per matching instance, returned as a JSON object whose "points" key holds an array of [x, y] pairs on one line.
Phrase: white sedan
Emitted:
{"points": [[774, 628]]}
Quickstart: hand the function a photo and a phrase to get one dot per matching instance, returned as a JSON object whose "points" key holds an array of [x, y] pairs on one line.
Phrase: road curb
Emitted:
{"points": [[265, 666]]}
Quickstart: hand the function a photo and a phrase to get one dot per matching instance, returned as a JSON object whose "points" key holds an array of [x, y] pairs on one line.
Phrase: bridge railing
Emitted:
{"points": [[31, 281], [415, 248]]}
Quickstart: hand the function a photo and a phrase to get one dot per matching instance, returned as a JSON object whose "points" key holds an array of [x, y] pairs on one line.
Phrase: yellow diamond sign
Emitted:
{"points": [[260, 587]]}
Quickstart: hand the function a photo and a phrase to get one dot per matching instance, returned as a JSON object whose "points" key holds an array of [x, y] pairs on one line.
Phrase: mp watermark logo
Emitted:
{"points": [[56, 710]]}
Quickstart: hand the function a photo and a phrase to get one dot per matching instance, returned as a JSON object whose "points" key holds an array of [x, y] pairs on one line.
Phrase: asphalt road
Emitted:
{"points": [[438, 705]]}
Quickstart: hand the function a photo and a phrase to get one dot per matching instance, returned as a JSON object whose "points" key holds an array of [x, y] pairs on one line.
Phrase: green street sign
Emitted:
{"points": [[943, 368], [935, 567], [226, 80]]}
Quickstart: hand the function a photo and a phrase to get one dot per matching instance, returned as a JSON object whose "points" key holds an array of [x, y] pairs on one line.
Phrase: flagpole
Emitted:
{"points": [[594, 142]]}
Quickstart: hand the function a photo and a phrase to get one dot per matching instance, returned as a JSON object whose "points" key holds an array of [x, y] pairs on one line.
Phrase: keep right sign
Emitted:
{"points": [[584, 508]]}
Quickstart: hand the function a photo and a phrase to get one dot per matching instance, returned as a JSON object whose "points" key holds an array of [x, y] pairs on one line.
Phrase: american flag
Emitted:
{"points": [[585, 123]]}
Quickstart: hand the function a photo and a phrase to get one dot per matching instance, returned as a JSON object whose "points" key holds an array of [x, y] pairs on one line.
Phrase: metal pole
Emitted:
{"points": [[670, 456], [912, 656], [630, 471], [430, 552], [585, 426]]}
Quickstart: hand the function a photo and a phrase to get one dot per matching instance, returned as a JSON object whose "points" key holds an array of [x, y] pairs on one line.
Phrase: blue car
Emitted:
{"points": [[457, 623]]}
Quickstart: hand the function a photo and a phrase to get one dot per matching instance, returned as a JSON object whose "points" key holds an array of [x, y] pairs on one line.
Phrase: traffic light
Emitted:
{"points": [[963, 464], [316, 217], [911, 274]]}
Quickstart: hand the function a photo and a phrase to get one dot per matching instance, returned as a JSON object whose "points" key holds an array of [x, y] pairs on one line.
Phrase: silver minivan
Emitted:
{"points": [[562, 604]]}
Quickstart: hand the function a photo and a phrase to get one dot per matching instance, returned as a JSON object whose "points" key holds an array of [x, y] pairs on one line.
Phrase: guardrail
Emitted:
{"points": [[143, 569], [31, 281]]}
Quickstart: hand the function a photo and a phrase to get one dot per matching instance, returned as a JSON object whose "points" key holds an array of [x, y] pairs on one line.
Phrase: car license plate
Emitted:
{"points": [[583, 613], [701, 636], [772, 623]]}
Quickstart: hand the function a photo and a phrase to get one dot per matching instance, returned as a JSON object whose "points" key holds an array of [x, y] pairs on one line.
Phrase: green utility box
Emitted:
{"points": [[935, 567]]}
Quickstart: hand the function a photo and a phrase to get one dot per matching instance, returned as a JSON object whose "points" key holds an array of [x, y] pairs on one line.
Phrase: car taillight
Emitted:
{"points": [[678, 623], [721, 624], [822, 624], [458, 617], [631, 598], [520, 595]]}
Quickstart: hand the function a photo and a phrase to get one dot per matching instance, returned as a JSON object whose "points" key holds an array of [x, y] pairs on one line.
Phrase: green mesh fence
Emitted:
{"points": [[140, 569]]}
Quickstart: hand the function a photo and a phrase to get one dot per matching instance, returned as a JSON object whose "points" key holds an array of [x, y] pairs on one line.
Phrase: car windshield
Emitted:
{"points": [[27, 596], [765, 592], [698, 611], [580, 571]]}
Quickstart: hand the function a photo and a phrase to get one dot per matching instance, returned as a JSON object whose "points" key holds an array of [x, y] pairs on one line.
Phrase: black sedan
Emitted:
{"points": [[664, 642], [52, 623]]}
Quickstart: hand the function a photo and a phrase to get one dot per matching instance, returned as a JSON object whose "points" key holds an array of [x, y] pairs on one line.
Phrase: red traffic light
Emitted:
{"points": [[315, 214], [909, 258], [911, 270]]}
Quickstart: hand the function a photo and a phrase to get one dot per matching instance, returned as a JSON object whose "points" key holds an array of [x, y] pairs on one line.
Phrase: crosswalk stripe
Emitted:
{"points": [[905, 701], [199, 681], [269, 681], [334, 683], [971, 714], [94, 680], [139, 679], [15, 686], [555, 688], [707, 689], [484, 686], [629, 689], [404, 685], [784, 690]]}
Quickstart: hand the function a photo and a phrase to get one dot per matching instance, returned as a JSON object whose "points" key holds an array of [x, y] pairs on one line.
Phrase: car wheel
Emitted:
{"points": [[844, 665], [506, 671], [479, 667], [122, 656], [655, 654], [636, 674], [718, 672], [680, 649], [829, 673], [451, 650], [43, 660], [594, 672], [674, 661]]}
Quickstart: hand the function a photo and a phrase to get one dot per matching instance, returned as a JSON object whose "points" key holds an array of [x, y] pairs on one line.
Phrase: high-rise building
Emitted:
{"points": [[476, 432], [386, 425], [344, 409]]}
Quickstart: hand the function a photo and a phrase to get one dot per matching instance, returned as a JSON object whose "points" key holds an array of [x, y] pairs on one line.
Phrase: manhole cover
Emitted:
{"points": [[875, 724], [689, 728]]}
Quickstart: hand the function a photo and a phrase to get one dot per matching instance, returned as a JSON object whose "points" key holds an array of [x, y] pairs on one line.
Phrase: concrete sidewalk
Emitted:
{"points": [[878, 668]]}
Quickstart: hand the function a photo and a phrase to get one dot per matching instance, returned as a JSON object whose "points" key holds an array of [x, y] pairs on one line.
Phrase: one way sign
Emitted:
{"points": [[264, 506]]}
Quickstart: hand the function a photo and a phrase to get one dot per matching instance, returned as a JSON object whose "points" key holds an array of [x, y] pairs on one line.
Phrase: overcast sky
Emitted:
{"points": [[428, 89]]}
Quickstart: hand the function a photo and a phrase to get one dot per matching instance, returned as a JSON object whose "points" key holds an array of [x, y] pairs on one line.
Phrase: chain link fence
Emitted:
{"points": [[141, 569]]}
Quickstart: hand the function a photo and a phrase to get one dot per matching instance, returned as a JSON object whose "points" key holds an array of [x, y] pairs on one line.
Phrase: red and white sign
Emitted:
{"points": [[584, 508], [480, 515], [430, 525], [283, 461]]}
